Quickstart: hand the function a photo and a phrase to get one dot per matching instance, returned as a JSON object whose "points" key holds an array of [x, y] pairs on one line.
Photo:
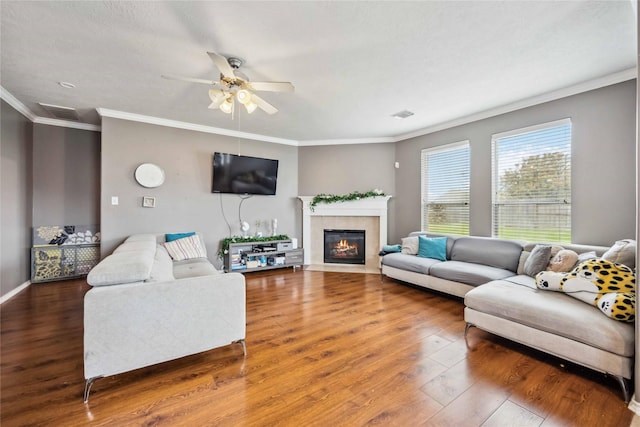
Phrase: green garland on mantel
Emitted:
{"points": [[224, 248], [333, 198]]}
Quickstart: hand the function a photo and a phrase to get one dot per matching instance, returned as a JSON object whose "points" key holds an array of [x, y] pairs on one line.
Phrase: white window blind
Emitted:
{"points": [[532, 183], [445, 189]]}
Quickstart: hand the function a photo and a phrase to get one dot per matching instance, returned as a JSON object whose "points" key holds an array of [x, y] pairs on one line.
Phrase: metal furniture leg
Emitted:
{"points": [[244, 346], [625, 386], [466, 331], [87, 388]]}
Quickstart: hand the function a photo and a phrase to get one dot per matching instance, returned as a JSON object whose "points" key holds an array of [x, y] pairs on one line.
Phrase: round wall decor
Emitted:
{"points": [[149, 175]]}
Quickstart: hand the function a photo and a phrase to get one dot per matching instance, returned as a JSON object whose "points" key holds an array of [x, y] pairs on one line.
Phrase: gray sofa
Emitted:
{"points": [[501, 299], [144, 308]]}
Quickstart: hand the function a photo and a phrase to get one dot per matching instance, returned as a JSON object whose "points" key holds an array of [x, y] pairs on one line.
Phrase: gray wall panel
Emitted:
{"points": [[185, 201], [66, 176], [16, 207], [38, 187], [603, 163], [342, 169]]}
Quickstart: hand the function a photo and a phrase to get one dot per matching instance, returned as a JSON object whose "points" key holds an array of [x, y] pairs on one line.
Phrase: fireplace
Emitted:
{"points": [[344, 246]]}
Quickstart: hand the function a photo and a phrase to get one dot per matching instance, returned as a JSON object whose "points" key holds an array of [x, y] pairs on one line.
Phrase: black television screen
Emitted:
{"points": [[244, 175]]}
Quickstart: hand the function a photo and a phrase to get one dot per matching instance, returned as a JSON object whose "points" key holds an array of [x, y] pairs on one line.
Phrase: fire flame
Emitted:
{"points": [[343, 245]]}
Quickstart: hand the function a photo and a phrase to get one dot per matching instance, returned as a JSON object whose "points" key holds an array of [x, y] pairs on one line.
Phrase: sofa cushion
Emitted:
{"points": [[432, 247], [514, 299], [193, 268], [137, 243], [185, 248], [162, 269], [122, 267], [502, 254], [409, 262], [467, 272], [140, 238], [607, 285]]}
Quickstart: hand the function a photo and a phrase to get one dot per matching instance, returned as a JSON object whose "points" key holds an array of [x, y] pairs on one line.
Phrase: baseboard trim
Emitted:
{"points": [[634, 405], [13, 292]]}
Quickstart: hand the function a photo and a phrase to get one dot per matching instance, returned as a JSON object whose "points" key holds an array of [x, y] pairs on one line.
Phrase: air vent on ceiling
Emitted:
{"points": [[402, 114], [59, 112]]}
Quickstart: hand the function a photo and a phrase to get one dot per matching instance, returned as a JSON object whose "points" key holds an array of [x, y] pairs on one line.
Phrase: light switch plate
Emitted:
{"points": [[114, 200]]}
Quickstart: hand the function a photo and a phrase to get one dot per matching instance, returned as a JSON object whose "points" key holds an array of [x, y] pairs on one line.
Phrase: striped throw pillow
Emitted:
{"points": [[185, 248]]}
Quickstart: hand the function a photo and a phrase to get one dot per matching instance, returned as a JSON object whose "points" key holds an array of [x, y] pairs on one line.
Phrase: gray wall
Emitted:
{"points": [[343, 169], [62, 188], [185, 201], [16, 207], [603, 164], [66, 176], [50, 176]]}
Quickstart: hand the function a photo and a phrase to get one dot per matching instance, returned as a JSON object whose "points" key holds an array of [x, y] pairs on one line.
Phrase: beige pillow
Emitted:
{"points": [[622, 252], [563, 261], [410, 245], [524, 255], [185, 248]]}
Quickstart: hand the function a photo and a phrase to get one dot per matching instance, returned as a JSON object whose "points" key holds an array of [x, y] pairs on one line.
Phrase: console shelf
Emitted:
{"points": [[246, 257]]}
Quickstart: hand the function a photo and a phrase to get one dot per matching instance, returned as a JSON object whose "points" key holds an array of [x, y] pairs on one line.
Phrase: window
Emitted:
{"points": [[445, 189], [531, 171]]}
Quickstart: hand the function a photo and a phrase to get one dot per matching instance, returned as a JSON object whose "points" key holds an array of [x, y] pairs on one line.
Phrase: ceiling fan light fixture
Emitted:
{"points": [[233, 86], [217, 97], [244, 96], [227, 106], [251, 107]]}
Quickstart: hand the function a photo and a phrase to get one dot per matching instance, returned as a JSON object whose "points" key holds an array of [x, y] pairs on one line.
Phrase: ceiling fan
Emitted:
{"points": [[235, 86]]}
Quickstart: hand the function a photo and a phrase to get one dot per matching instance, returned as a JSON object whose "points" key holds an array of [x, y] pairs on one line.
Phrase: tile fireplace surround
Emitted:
{"points": [[368, 214]]}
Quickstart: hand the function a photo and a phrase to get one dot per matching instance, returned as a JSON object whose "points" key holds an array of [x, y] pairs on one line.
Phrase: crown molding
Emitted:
{"points": [[373, 140], [66, 124], [598, 83], [104, 112], [19, 106]]}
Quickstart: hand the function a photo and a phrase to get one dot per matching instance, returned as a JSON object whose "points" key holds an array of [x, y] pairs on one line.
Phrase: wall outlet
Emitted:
{"points": [[114, 200]]}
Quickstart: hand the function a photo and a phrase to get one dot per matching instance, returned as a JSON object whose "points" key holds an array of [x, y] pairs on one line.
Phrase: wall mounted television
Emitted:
{"points": [[235, 174]]}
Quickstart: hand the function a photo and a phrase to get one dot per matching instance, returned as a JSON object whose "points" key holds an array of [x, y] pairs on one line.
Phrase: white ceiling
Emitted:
{"points": [[353, 63]]}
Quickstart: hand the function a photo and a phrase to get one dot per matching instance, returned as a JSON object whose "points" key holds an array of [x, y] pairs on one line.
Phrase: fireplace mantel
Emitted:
{"points": [[369, 207]]}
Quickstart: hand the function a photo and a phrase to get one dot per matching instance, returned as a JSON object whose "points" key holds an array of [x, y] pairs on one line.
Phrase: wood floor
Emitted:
{"points": [[324, 349]]}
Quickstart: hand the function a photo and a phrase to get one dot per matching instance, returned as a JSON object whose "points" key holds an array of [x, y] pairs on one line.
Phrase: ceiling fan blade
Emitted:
{"points": [[190, 79], [268, 108], [222, 64], [272, 86]]}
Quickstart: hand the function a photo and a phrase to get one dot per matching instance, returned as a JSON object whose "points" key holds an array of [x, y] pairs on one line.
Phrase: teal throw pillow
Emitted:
{"points": [[176, 236], [434, 247], [391, 248]]}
